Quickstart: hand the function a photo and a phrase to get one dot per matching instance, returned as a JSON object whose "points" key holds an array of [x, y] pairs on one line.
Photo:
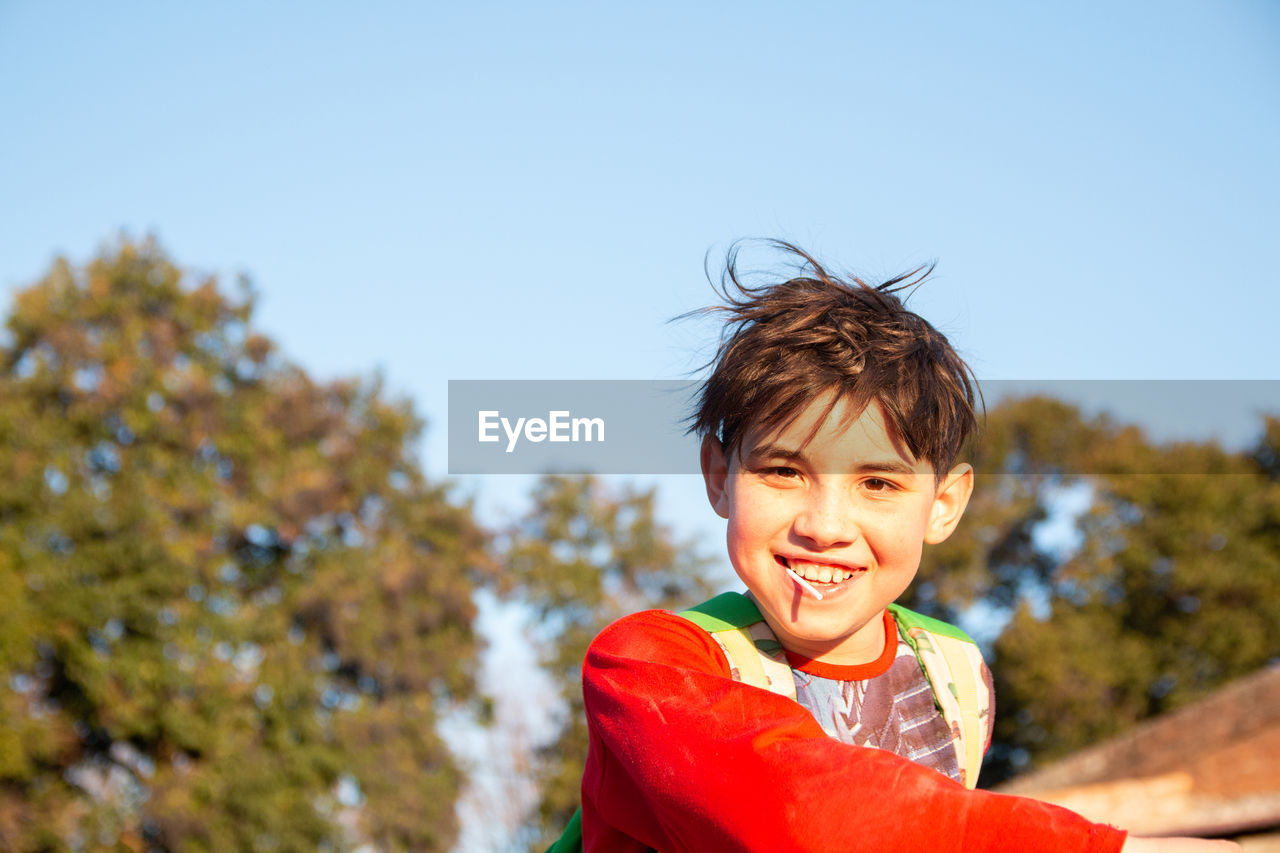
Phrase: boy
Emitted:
{"points": [[831, 424]]}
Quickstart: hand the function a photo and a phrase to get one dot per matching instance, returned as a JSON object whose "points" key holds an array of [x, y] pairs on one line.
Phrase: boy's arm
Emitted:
{"points": [[683, 758]]}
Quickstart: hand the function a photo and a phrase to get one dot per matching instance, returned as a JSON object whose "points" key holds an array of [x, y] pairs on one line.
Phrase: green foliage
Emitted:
{"points": [[1172, 590], [582, 558], [1029, 449], [1175, 590], [233, 607]]}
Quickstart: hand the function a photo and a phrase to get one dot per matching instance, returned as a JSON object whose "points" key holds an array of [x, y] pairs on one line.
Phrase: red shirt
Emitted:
{"points": [[682, 757]]}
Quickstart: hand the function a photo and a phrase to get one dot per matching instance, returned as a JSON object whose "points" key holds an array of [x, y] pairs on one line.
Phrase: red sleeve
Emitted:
{"points": [[683, 758]]}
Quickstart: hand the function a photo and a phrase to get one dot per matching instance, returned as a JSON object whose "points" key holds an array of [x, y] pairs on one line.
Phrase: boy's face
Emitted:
{"points": [[849, 511]]}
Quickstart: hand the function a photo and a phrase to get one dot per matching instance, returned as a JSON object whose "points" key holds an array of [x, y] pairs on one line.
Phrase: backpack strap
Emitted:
{"points": [[953, 664], [755, 656]]}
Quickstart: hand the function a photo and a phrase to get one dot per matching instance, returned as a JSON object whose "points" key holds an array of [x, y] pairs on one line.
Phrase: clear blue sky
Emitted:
{"points": [[500, 190]]}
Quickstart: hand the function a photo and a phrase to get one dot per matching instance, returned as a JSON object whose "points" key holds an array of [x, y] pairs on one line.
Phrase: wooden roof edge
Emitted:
{"points": [[1075, 769], [1263, 814]]}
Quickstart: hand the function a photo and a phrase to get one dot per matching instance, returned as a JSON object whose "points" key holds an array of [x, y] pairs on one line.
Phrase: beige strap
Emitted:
{"points": [[965, 674], [751, 666]]}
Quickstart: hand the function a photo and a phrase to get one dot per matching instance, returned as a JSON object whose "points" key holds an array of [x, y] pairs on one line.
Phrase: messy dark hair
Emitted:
{"points": [[784, 344]]}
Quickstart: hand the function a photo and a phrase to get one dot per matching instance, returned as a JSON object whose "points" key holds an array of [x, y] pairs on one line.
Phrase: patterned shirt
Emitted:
{"points": [[893, 711]]}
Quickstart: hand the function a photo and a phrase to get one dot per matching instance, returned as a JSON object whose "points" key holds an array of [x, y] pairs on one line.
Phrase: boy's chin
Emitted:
{"points": [[816, 634], [815, 630]]}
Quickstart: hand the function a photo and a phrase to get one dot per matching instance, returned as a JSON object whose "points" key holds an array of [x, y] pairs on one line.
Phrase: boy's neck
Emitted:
{"points": [[864, 647]]}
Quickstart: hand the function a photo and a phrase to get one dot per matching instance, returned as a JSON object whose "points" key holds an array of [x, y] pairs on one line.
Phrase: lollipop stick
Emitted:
{"points": [[804, 584]]}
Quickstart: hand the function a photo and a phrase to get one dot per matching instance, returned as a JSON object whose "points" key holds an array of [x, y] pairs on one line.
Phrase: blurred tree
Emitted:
{"points": [[233, 608], [1170, 589], [1025, 456], [1174, 591], [582, 558]]}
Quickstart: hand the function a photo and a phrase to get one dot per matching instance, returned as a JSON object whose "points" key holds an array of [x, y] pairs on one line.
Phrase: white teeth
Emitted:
{"points": [[819, 573]]}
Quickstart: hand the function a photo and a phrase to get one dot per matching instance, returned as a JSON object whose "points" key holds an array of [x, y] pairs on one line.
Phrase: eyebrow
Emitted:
{"points": [[774, 451]]}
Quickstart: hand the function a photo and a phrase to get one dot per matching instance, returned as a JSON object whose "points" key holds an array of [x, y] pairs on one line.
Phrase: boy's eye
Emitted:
{"points": [[875, 484], [781, 471]]}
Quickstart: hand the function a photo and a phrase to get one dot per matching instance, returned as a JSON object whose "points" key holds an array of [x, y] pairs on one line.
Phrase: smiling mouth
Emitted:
{"points": [[819, 574]]}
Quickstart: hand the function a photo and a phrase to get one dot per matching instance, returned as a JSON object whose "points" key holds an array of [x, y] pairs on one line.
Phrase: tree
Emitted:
{"points": [[580, 559], [1026, 455], [1172, 589], [233, 606]]}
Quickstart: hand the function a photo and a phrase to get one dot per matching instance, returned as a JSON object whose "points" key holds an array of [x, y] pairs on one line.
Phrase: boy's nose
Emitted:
{"points": [[825, 522]]}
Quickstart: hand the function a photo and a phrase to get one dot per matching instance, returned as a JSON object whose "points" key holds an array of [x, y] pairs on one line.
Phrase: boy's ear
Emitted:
{"points": [[715, 474], [952, 497]]}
